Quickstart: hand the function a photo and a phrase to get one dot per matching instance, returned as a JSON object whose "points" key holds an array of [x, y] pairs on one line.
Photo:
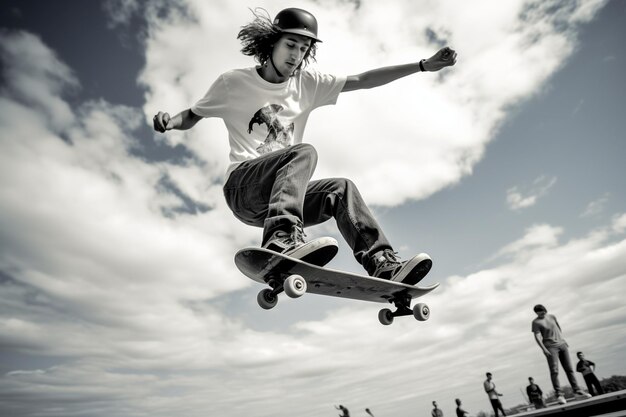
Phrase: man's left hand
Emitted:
{"points": [[445, 57]]}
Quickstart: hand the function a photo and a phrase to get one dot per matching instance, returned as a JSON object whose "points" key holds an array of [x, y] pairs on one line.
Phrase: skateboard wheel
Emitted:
{"points": [[385, 316], [294, 286], [266, 299], [421, 312]]}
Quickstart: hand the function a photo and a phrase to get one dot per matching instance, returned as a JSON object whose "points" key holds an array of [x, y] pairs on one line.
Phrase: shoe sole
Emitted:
{"points": [[417, 268], [318, 252], [321, 256]]}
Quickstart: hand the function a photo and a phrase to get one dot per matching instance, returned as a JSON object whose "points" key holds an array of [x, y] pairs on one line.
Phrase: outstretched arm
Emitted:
{"points": [[445, 57], [184, 120]]}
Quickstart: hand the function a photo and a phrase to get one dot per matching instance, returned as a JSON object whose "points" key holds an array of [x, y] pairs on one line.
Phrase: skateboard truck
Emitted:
{"points": [[294, 286], [420, 311]]}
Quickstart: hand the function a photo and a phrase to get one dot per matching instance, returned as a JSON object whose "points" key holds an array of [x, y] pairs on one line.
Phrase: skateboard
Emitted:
{"points": [[295, 278]]}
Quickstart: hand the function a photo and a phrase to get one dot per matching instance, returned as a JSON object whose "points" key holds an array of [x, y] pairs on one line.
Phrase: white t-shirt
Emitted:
{"points": [[490, 389], [262, 117], [549, 329]]}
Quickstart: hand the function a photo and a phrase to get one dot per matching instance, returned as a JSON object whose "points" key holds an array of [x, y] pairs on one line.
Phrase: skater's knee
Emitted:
{"points": [[305, 150], [342, 186]]}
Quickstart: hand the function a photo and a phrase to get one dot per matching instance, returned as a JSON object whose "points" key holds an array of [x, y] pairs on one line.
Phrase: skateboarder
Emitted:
{"points": [[436, 410], [535, 395], [588, 369], [493, 394], [549, 337], [265, 109]]}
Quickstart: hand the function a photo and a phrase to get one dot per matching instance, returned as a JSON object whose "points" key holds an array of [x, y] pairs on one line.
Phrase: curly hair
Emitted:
{"points": [[259, 36]]}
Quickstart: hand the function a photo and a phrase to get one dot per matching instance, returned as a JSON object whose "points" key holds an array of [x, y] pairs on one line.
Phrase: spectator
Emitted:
{"points": [[493, 394], [535, 395], [588, 369], [436, 411], [459, 411], [549, 337]]}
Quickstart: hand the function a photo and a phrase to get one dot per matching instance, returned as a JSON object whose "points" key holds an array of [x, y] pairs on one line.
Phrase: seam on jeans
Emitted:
{"points": [[287, 173], [354, 223]]}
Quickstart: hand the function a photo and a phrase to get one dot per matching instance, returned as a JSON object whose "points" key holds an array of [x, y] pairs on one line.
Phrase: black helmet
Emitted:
{"points": [[297, 21]]}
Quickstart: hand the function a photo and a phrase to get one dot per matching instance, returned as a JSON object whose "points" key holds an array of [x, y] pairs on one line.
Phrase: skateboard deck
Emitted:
{"points": [[295, 277]]}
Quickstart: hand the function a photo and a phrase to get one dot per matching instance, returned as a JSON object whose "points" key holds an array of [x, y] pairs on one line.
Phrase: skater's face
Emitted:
{"points": [[581, 356], [541, 313], [289, 52]]}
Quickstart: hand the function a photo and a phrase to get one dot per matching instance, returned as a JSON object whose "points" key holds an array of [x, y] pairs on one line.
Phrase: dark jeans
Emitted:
{"points": [[561, 353], [274, 191], [539, 403], [592, 382], [497, 405]]}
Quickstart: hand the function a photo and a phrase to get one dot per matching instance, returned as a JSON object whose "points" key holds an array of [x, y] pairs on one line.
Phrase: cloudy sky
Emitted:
{"points": [[118, 292]]}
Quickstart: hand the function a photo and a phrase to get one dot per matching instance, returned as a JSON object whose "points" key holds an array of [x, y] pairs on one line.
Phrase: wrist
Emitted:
{"points": [[421, 63], [179, 122]]}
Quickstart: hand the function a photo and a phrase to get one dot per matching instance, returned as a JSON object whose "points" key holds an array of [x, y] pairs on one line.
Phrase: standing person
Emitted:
{"points": [[535, 395], [436, 410], [459, 411], [265, 109], [549, 337], [493, 394], [588, 369], [344, 411]]}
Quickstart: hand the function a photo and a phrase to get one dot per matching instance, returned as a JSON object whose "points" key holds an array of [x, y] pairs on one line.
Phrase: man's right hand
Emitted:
{"points": [[547, 353], [161, 121]]}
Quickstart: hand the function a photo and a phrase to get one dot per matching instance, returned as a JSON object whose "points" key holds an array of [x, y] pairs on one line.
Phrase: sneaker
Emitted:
{"points": [[388, 266], [317, 252], [561, 399], [583, 393]]}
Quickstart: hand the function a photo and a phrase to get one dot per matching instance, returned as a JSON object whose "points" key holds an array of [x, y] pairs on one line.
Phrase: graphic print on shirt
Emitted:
{"points": [[279, 133]]}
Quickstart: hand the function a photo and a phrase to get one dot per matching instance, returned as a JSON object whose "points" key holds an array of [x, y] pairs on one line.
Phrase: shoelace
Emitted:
{"points": [[392, 262], [391, 256], [389, 264], [297, 234]]}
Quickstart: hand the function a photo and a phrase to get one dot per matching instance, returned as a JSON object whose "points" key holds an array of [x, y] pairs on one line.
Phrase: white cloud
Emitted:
{"points": [[166, 361], [37, 78], [519, 198], [619, 223], [596, 207], [536, 237], [81, 216], [120, 12]]}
